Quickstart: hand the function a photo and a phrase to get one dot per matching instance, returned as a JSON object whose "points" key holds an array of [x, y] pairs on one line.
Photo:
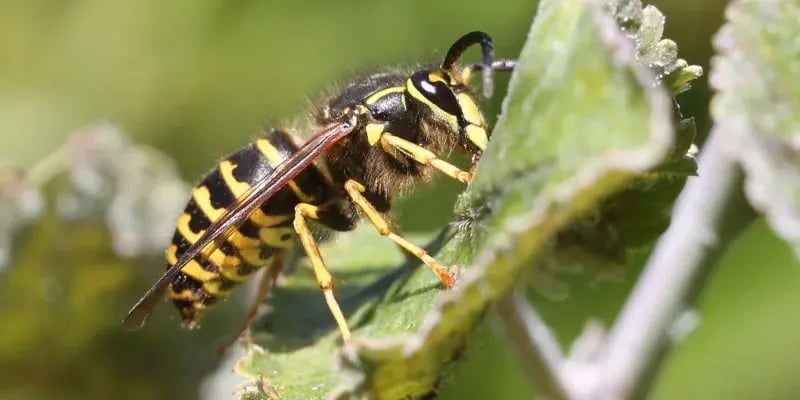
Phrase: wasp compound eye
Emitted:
{"points": [[436, 92]]}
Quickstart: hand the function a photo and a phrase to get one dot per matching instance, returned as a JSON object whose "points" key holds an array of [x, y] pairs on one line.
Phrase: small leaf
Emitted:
{"points": [[757, 105], [645, 26]]}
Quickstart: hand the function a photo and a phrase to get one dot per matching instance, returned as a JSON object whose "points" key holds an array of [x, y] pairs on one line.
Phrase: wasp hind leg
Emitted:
{"points": [[304, 211], [268, 278], [356, 192]]}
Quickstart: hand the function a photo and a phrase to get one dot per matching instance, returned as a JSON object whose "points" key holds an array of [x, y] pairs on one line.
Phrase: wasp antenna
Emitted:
{"points": [[487, 47]]}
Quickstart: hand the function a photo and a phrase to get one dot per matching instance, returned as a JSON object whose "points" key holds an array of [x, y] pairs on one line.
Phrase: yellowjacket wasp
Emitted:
{"points": [[379, 137]]}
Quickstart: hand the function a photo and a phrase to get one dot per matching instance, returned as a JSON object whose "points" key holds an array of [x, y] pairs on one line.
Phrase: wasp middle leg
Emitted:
{"points": [[356, 192]]}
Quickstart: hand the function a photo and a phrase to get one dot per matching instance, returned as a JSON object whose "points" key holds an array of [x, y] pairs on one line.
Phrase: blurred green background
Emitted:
{"points": [[199, 79]]}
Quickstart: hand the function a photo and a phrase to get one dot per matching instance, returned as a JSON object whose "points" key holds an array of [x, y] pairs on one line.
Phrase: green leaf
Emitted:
{"points": [[607, 240], [299, 331], [756, 106], [584, 119]]}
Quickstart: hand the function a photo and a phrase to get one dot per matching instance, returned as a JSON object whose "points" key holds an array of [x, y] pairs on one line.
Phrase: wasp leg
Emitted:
{"points": [[324, 278], [425, 156], [268, 278], [356, 190]]}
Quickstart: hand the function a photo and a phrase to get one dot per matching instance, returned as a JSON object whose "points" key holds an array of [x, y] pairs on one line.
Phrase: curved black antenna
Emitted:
{"points": [[487, 47]]}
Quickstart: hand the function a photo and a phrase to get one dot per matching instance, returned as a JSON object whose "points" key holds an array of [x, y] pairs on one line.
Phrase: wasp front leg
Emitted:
{"points": [[424, 156], [356, 192]]}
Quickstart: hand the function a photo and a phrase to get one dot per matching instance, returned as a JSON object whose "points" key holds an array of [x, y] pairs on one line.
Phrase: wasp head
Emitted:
{"points": [[445, 102], [443, 99]]}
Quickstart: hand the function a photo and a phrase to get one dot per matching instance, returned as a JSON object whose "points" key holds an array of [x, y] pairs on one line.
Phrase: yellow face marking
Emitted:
{"points": [[435, 77], [277, 237], [466, 75], [383, 92], [471, 112], [237, 188], [444, 77], [374, 132], [477, 136], [274, 156], [450, 118]]}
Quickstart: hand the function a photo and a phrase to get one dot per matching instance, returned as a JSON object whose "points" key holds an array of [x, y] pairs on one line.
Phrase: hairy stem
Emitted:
{"points": [[709, 213], [537, 349]]}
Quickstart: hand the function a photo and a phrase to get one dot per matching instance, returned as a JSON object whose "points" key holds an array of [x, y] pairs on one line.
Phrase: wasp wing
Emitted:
{"points": [[235, 215]]}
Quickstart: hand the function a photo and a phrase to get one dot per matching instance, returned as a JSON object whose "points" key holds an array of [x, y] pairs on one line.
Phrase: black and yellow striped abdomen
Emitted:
{"points": [[267, 232]]}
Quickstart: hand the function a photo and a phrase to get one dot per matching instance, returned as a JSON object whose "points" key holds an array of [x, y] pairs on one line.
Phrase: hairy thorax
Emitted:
{"points": [[379, 103]]}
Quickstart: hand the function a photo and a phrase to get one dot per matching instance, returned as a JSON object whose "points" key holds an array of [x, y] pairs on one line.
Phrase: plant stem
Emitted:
{"points": [[537, 349], [709, 213]]}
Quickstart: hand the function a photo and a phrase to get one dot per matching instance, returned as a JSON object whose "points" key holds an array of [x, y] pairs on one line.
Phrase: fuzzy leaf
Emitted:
{"points": [[645, 25], [757, 103], [582, 120]]}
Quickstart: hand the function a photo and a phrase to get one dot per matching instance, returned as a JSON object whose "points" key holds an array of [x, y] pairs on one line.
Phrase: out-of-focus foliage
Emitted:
{"points": [[197, 80], [100, 201], [757, 106], [604, 241], [645, 26]]}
